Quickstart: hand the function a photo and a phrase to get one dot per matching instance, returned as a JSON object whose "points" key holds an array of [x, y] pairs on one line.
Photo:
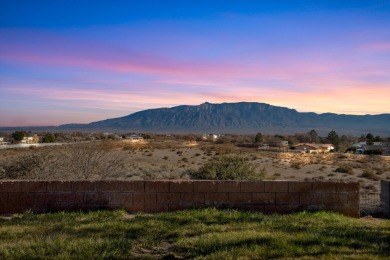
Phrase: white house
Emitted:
{"points": [[30, 139], [314, 148], [211, 137], [135, 138]]}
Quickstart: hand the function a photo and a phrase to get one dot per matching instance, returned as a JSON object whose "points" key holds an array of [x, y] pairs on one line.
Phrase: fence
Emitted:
{"points": [[370, 204], [156, 196]]}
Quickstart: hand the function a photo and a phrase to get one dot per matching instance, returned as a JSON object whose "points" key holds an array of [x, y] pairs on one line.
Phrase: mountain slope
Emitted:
{"points": [[243, 117]]}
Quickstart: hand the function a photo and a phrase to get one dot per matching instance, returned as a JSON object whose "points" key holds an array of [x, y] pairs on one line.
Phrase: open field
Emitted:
{"points": [[207, 233], [175, 159]]}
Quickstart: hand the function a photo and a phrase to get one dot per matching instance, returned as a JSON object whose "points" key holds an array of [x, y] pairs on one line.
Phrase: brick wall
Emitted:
{"points": [[157, 196]]}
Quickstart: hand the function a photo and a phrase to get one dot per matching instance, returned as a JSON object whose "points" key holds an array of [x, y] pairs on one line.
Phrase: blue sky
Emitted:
{"points": [[82, 61]]}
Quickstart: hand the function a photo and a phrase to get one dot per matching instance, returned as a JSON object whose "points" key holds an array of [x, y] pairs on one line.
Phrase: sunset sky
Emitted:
{"points": [[83, 61]]}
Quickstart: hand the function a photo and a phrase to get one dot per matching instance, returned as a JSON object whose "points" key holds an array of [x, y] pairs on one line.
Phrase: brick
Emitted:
{"points": [[311, 198], [228, 186], [27, 198], [33, 186], [34, 208], [71, 198], [246, 207], [139, 198], [263, 198], [10, 186], [90, 206], [324, 187], [59, 186], [257, 208], [205, 186], [83, 186], [62, 207], [287, 198], [216, 198], [156, 186], [252, 186], [276, 186], [134, 208], [299, 186], [317, 207], [121, 198], [3, 198], [192, 198], [350, 187], [181, 186], [176, 207], [150, 198], [240, 197], [331, 199], [345, 210], [114, 206], [341, 199], [133, 186], [155, 208], [102, 186], [96, 198], [282, 209], [45, 198], [14, 198], [168, 198], [10, 209]]}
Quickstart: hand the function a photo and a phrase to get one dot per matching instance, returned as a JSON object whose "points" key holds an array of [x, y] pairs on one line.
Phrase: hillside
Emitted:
{"points": [[243, 117]]}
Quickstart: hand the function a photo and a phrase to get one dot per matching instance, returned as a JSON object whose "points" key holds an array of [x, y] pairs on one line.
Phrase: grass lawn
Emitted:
{"points": [[207, 233]]}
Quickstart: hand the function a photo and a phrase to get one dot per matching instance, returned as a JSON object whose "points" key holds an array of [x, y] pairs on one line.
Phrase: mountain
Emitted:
{"points": [[243, 117]]}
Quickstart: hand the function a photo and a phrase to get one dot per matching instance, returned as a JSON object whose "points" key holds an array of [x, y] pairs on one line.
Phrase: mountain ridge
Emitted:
{"points": [[243, 117], [235, 118]]}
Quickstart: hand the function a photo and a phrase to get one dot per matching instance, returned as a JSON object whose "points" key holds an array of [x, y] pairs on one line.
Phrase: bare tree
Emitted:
{"points": [[72, 161], [91, 161]]}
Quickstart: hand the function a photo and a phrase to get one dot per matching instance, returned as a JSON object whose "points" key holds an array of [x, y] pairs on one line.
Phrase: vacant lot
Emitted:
{"points": [[207, 233], [174, 159]]}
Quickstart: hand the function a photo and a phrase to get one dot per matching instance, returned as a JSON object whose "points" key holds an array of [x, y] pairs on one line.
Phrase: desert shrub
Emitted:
{"points": [[226, 167], [322, 168], [345, 168], [296, 164], [75, 161], [26, 167], [369, 174]]}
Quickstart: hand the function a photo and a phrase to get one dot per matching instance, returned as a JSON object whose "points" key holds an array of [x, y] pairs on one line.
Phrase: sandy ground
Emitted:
{"points": [[170, 159]]}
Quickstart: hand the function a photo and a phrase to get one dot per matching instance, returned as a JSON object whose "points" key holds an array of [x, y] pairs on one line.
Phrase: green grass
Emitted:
{"points": [[207, 233]]}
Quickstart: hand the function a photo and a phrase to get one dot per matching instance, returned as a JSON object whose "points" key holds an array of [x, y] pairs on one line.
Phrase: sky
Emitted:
{"points": [[83, 61]]}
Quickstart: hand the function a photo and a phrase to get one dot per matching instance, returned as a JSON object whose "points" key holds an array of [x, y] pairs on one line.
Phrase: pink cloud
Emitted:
{"points": [[377, 47]]}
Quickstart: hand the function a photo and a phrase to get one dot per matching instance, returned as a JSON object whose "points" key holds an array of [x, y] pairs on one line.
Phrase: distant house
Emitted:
{"points": [[282, 144], [135, 138], [325, 148], [314, 148], [263, 146], [211, 137], [32, 139], [380, 148], [304, 147]]}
